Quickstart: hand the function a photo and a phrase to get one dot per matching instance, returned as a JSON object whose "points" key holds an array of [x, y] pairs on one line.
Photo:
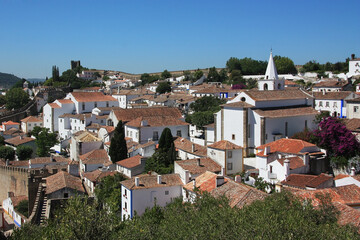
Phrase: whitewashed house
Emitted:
{"points": [[131, 166], [28, 123], [63, 185], [9, 204], [256, 117], [334, 102], [91, 179], [144, 192], [93, 160], [354, 66], [52, 111], [83, 142], [332, 85], [277, 160], [353, 108], [142, 129], [228, 155], [189, 150]]}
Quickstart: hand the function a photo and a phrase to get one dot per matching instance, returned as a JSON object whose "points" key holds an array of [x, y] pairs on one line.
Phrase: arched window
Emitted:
{"points": [[265, 86]]}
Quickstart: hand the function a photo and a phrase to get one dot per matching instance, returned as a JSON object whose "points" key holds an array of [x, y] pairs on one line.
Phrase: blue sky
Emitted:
{"points": [[152, 35]]}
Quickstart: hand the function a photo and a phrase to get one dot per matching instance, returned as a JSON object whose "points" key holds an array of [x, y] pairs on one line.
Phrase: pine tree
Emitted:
{"points": [[118, 150]]}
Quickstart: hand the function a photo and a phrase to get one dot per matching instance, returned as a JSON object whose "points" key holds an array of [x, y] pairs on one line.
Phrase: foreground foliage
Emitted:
{"points": [[280, 216]]}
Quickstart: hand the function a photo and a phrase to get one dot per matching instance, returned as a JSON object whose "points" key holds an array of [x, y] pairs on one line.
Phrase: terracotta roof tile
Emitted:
{"points": [[130, 162], [45, 160], [199, 165], [31, 119], [97, 156], [16, 141], [238, 194], [62, 180], [92, 97], [332, 95], [352, 124], [10, 123], [286, 111], [150, 181], [238, 105], [155, 121], [186, 145], [129, 114], [54, 105], [259, 95], [330, 83], [97, 175], [287, 145], [304, 180], [341, 176], [224, 145], [65, 101], [295, 162]]}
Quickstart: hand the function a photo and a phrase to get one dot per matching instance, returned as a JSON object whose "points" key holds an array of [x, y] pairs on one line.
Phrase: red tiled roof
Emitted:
{"points": [[341, 176], [186, 145], [129, 114], [287, 145], [54, 105], [150, 181], [97, 175], [16, 141], [224, 145], [206, 164], [10, 123], [352, 124], [97, 156], [65, 101], [330, 83], [304, 180], [31, 119], [92, 97], [45, 160], [62, 180], [130, 162], [286, 111], [295, 162], [155, 121], [332, 95], [259, 95]]}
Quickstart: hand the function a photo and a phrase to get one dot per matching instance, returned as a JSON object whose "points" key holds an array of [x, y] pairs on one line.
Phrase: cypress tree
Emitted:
{"points": [[118, 150], [166, 145]]}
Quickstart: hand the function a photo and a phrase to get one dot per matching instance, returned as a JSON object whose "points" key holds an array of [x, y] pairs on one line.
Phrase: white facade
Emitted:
{"points": [[354, 67], [336, 108], [52, 111], [29, 126], [346, 181], [140, 199], [230, 159], [10, 210]]}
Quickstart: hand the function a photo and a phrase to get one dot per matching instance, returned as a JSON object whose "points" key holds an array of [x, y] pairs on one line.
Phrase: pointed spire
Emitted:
{"points": [[271, 72]]}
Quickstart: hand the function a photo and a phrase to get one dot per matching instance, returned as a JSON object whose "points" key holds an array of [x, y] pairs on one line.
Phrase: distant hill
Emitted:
{"points": [[8, 80], [34, 80]]}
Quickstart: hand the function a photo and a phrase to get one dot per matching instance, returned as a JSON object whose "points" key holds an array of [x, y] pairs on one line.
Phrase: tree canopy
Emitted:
{"points": [[118, 149], [44, 140], [279, 216], [165, 74], [7, 153], [284, 65], [16, 98], [24, 152], [163, 87]]}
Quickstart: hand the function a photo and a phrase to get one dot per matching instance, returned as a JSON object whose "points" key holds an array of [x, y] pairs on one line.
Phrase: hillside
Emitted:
{"points": [[7, 80]]}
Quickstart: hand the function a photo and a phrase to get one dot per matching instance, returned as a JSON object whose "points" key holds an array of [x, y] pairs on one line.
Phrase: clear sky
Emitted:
{"points": [[152, 35]]}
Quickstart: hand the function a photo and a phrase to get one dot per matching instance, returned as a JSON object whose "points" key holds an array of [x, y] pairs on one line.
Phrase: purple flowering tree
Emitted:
{"points": [[333, 136], [238, 86]]}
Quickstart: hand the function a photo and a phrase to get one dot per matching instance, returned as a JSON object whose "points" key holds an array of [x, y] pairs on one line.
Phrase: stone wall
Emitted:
{"points": [[13, 180]]}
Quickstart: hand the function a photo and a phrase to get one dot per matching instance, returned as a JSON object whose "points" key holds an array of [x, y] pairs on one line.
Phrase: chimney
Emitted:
{"points": [[192, 147], [238, 178], [352, 171], [278, 187], [7, 162], [21, 137], [267, 150], [324, 92], [222, 172], [186, 176], [352, 56], [159, 179], [198, 161], [136, 181], [287, 167], [10, 194]]}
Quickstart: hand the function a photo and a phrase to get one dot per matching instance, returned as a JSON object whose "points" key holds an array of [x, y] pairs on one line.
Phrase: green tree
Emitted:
{"points": [[69, 76], [252, 67], [213, 75], [233, 64], [166, 145], [163, 87], [118, 149], [7, 153], [44, 140], [108, 192], [223, 75], [16, 98], [2, 141], [24, 152], [55, 74], [23, 208], [2, 100], [200, 119], [284, 65], [236, 77], [165, 74], [198, 74]]}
